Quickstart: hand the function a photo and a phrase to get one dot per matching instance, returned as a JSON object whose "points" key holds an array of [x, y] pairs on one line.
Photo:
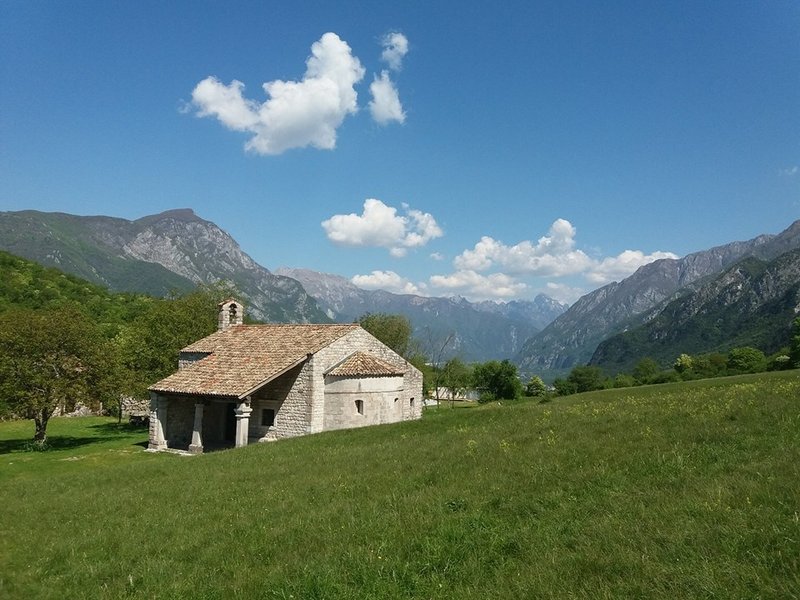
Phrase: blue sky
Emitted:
{"points": [[492, 150]]}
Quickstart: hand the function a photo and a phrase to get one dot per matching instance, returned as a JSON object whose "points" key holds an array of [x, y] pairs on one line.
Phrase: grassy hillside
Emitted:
{"points": [[682, 491]]}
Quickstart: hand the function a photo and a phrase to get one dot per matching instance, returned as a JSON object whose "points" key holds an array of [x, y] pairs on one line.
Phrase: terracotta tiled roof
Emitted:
{"points": [[363, 364], [243, 357]]}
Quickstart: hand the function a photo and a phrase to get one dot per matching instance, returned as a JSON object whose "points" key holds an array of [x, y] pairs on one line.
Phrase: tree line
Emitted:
{"points": [[65, 341], [737, 361], [495, 380]]}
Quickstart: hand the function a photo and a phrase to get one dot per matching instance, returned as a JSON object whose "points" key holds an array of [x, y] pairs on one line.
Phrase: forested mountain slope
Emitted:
{"points": [[158, 254]]}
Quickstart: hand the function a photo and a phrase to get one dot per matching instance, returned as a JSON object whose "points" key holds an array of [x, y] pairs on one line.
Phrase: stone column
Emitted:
{"points": [[196, 447], [243, 422], [158, 422]]}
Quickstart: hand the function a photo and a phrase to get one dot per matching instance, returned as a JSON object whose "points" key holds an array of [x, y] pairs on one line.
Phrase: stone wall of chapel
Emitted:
{"points": [[288, 395], [361, 401], [410, 397]]}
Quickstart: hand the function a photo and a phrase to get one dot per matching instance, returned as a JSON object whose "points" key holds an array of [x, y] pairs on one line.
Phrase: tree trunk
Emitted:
{"points": [[40, 419]]}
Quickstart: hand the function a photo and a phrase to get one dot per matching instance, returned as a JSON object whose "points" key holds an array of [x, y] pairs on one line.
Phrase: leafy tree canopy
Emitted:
{"points": [[746, 360], [51, 358], [498, 378], [535, 387], [586, 378], [795, 343], [456, 376], [392, 330], [646, 370]]}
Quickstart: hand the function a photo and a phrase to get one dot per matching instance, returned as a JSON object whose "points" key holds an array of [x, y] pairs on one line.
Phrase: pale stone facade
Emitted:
{"points": [[305, 379]]}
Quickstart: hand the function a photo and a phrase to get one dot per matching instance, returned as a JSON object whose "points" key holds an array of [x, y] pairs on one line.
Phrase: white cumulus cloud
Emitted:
{"points": [[395, 47], [563, 292], [615, 268], [386, 280], [553, 254], [297, 113], [492, 269], [385, 105], [477, 286], [380, 225]]}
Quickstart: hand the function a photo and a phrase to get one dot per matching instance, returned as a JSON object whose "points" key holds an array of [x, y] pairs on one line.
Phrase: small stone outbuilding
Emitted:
{"points": [[255, 383]]}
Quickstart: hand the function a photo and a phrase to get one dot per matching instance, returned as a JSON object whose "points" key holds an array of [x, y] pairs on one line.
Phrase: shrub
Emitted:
{"points": [[746, 360]]}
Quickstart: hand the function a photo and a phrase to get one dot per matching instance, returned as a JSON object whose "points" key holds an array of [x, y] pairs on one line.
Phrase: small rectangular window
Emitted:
{"points": [[267, 417], [360, 406]]}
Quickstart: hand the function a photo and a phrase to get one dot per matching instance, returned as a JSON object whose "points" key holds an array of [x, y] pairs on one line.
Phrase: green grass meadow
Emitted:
{"points": [[687, 490]]}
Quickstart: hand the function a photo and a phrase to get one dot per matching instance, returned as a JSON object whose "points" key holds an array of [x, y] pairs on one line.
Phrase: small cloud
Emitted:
{"points": [[386, 280], [616, 268], [790, 171], [297, 113], [553, 254], [563, 293], [437, 256], [380, 226], [385, 105], [476, 286], [395, 47]]}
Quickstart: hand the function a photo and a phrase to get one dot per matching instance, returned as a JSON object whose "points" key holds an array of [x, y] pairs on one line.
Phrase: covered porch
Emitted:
{"points": [[198, 424]]}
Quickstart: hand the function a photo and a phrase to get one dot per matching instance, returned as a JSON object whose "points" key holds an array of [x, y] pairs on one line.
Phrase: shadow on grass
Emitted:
{"points": [[109, 432], [120, 428]]}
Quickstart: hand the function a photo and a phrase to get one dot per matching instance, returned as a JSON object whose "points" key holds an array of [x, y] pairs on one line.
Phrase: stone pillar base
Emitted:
{"points": [[157, 445], [193, 449]]}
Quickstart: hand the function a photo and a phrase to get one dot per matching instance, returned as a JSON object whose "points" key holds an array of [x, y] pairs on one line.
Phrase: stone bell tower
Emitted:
{"points": [[231, 312]]}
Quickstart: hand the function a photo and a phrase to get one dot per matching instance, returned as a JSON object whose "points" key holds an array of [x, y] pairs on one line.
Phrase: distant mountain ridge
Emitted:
{"points": [[157, 254], [481, 330], [750, 304], [573, 337], [176, 250]]}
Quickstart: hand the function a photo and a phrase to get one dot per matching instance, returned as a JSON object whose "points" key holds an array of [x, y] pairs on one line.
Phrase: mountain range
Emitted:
{"points": [[749, 304], [473, 331], [176, 250], [573, 337], [738, 292], [158, 254]]}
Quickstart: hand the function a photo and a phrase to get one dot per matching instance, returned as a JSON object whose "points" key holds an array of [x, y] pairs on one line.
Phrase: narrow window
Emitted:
{"points": [[267, 417], [411, 403], [360, 406]]}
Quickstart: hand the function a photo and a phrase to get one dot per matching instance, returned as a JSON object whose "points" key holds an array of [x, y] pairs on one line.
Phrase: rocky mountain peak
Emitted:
{"points": [[572, 338]]}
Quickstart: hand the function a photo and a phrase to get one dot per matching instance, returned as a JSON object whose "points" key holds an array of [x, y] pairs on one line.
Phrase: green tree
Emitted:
{"points": [[564, 387], [499, 379], [53, 358], [646, 370], [683, 364], [623, 380], [456, 377], [586, 378], [710, 365], [746, 360], [392, 330], [535, 387], [794, 349]]}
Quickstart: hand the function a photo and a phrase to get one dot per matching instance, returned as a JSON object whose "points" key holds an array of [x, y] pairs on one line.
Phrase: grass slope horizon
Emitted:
{"points": [[677, 490]]}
